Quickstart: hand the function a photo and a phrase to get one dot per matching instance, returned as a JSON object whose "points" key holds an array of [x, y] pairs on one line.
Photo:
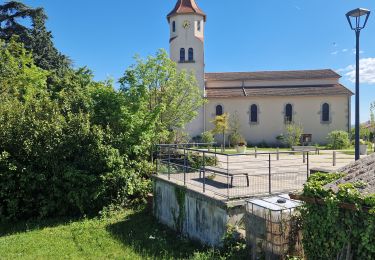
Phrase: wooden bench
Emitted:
{"points": [[306, 149], [223, 172]]}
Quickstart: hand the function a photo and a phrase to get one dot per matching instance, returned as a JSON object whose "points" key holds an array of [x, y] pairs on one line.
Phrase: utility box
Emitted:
{"points": [[272, 228]]}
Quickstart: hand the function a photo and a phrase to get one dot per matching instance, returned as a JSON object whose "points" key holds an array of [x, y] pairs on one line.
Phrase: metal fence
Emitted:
{"points": [[202, 168]]}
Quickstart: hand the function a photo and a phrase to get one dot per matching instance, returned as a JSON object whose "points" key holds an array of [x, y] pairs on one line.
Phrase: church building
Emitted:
{"points": [[264, 101]]}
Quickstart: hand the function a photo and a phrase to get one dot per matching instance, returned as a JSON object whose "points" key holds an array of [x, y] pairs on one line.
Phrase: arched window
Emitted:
{"points": [[254, 114], [174, 26], [199, 26], [325, 112], [288, 113], [191, 54], [219, 110], [182, 54]]}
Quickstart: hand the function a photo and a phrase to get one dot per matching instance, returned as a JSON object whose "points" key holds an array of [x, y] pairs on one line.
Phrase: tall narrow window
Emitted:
{"points": [[325, 112], [288, 113], [174, 26], [191, 54], [219, 110], [199, 26], [182, 54], [254, 114]]}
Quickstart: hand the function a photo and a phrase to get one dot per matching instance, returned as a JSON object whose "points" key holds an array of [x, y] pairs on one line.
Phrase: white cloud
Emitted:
{"points": [[344, 50], [334, 53], [366, 71]]}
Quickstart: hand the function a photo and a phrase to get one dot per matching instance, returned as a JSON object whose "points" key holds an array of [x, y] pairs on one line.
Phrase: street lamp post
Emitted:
{"points": [[357, 19]]}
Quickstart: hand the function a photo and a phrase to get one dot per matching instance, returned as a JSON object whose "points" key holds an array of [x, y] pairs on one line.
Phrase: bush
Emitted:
{"points": [[338, 140], [293, 133], [208, 137], [197, 139], [57, 166], [237, 139], [332, 230], [195, 160], [65, 147]]}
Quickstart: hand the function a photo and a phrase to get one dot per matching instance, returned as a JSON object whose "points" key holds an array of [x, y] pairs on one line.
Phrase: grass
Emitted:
{"points": [[352, 152], [251, 150], [126, 234]]}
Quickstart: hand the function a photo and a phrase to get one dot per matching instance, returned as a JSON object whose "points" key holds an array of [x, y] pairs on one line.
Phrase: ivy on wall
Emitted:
{"points": [[333, 232]]}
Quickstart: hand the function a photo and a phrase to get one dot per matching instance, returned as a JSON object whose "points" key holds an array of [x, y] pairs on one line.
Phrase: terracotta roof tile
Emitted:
{"points": [[273, 75], [186, 7], [303, 90]]}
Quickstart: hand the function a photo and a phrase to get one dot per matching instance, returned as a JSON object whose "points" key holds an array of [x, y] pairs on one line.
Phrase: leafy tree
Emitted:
{"points": [[364, 132], [19, 77], [372, 121], [221, 124], [63, 152], [338, 140], [162, 98], [14, 20], [292, 135]]}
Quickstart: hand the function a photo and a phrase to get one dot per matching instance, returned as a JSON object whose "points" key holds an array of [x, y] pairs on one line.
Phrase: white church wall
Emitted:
{"points": [[306, 111]]}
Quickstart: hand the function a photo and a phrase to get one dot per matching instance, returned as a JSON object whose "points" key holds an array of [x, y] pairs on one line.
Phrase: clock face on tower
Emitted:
{"points": [[186, 24]]}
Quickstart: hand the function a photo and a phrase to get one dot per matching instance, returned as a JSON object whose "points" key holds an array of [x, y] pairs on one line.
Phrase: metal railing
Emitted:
{"points": [[202, 168]]}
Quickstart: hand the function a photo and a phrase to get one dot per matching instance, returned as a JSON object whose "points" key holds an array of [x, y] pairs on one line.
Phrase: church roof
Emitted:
{"points": [[258, 91], [273, 75], [186, 7]]}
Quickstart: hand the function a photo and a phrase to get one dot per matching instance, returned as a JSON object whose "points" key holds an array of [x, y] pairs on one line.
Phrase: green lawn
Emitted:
{"points": [[352, 152], [128, 234], [251, 150]]}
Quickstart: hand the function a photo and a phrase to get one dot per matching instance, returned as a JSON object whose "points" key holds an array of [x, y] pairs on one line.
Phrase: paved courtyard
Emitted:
{"points": [[286, 173]]}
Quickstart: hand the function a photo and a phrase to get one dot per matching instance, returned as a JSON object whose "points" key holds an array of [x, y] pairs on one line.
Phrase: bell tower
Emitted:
{"points": [[186, 48]]}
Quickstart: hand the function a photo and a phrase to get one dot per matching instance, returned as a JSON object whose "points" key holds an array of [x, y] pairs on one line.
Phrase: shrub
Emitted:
{"points": [[292, 135], [195, 160], [263, 144], [235, 138], [208, 137], [330, 229], [65, 149], [338, 140], [197, 139], [57, 166], [364, 133]]}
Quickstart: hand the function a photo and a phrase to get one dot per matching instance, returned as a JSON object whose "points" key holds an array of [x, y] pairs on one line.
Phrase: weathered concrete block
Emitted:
{"points": [[193, 214]]}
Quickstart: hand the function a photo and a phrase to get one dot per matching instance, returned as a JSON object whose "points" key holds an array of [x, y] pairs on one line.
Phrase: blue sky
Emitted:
{"points": [[241, 35]]}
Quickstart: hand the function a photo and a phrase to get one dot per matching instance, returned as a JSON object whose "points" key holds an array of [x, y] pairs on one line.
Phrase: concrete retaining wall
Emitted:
{"points": [[193, 214]]}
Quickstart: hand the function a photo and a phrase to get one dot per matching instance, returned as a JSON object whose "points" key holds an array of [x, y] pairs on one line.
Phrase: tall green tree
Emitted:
{"points": [[29, 24], [162, 98]]}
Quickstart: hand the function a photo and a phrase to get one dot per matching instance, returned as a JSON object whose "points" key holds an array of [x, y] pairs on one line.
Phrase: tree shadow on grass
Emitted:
{"points": [[9, 228], [152, 240]]}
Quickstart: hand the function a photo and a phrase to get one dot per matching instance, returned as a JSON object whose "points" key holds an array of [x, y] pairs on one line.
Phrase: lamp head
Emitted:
{"points": [[358, 18]]}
